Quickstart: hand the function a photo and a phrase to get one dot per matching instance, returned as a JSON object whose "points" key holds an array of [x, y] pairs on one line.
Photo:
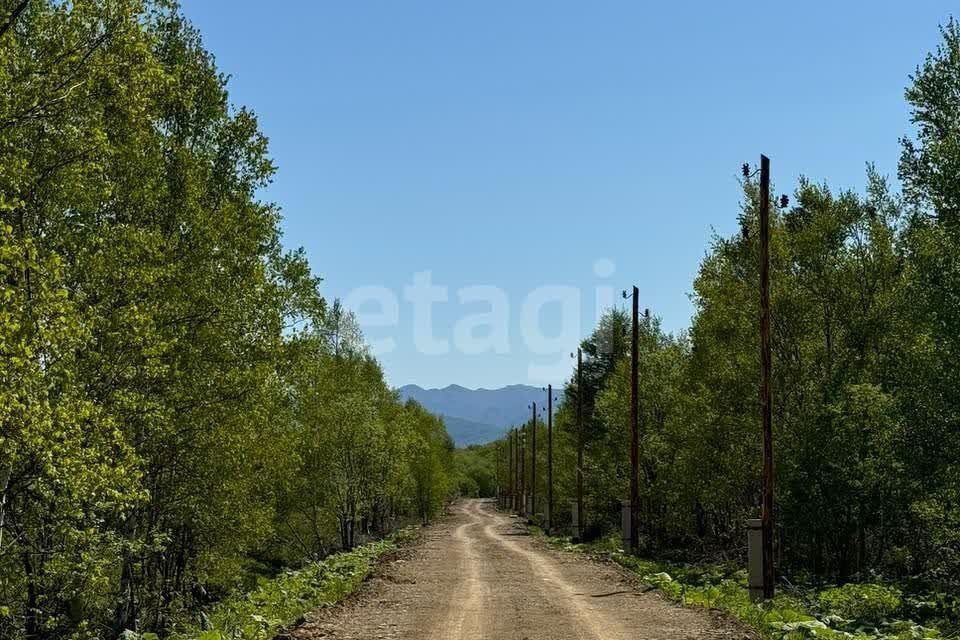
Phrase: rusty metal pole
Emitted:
{"points": [[508, 484], [634, 422], [579, 445], [523, 471], [497, 454], [533, 463], [504, 471], [515, 481], [549, 458], [510, 475], [516, 466], [765, 379]]}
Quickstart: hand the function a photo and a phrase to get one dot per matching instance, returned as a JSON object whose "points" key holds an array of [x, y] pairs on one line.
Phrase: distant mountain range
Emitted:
{"points": [[476, 416]]}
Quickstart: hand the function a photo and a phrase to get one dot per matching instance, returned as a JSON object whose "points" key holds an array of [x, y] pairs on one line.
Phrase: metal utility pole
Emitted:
{"points": [[498, 454], [516, 466], [765, 375], [516, 469], [634, 421], [523, 471], [579, 445], [549, 458], [504, 472], [510, 477], [533, 463]]}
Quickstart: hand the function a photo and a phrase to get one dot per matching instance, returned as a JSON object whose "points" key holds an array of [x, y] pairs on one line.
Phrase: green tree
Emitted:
{"points": [[929, 378]]}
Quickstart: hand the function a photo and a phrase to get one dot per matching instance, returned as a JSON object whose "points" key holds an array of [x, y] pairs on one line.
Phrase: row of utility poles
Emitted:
{"points": [[515, 497], [760, 531]]}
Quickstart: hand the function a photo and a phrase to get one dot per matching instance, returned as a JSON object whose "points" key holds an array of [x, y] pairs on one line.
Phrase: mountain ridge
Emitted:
{"points": [[476, 416]]}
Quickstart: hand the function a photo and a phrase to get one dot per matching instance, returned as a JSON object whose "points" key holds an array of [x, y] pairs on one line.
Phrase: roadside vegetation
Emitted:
{"points": [[476, 472], [183, 416], [194, 440], [866, 404], [800, 610], [280, 603]]}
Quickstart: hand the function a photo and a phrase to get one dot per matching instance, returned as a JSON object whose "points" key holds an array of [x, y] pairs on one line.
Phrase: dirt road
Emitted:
{"points": [[478, 576]]}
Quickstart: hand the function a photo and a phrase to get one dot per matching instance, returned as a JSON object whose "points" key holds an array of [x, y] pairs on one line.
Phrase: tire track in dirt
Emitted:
{"points": [[477, 575], [466, 603], [592, 623]]}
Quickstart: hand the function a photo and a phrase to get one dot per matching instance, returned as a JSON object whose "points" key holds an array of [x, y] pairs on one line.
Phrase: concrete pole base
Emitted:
{"points": [[575, 521], [755, 558], [625, 541]]}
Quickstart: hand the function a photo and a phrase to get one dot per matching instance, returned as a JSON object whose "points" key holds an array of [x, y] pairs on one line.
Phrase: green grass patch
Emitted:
{"points": [[853, 611]]}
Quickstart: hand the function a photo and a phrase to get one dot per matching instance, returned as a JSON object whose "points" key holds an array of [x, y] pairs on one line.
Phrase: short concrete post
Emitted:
{"points": [[575, 520], [625, 525], [755, 558]]}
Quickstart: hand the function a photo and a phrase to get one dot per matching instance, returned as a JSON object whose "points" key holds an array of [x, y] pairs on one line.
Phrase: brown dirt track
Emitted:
{"points": [[476, 575]]}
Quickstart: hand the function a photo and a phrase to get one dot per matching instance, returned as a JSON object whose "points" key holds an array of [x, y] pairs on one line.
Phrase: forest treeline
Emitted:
{"points": [[180, 409], [866, 365]]}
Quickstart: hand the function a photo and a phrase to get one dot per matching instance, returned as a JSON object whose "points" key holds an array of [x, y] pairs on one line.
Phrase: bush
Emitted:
{"points": [[865, 602], [277, 603]]}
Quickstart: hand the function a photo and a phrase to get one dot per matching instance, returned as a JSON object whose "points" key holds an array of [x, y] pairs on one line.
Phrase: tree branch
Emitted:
{"points": [[13, 17]]}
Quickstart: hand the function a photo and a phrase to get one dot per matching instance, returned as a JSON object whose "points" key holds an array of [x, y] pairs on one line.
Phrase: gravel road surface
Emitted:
{"points": [[477, 575]]}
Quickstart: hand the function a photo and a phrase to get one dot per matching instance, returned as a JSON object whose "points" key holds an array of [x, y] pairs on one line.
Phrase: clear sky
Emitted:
{"points": [[517, 145]]}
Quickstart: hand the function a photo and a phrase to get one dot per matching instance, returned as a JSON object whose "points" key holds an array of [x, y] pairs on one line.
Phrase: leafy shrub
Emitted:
{"points": [[851, 612], [277, 603], [870, 602], [665, 583]]}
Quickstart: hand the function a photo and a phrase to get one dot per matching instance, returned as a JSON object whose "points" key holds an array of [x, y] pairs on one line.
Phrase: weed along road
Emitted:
{"points": [[477, 575]]}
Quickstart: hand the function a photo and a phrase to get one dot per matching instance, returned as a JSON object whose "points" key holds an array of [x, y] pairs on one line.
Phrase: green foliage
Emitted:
{"points": [[181, 411], [866, 388], [860, 611], [278, 602], [476, 470], [862, 602]]}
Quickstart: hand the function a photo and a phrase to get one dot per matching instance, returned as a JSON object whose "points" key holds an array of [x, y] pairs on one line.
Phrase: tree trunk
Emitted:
{"points": [[32, 621]]}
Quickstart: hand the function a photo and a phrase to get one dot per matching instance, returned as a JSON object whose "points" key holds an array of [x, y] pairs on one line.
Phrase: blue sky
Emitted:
{"points": [[516, 144]]}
